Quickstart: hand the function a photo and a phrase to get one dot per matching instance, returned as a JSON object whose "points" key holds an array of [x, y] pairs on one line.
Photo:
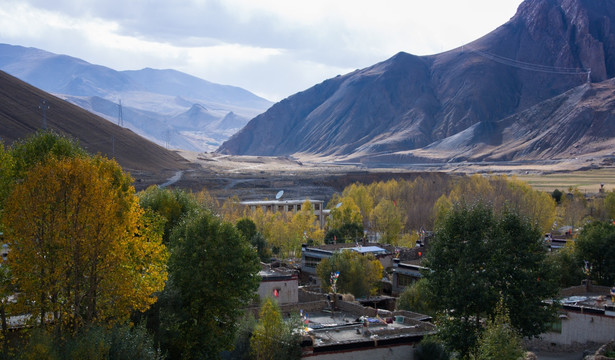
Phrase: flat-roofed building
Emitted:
{"points": [[290, 206], [280, 284]]}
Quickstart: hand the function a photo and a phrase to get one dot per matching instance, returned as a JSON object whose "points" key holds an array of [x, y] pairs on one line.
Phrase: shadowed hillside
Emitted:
{"points": [[20, 116]]}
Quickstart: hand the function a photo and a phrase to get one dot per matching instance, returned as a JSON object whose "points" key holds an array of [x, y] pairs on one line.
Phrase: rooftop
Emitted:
{"points": [[344, 329]]}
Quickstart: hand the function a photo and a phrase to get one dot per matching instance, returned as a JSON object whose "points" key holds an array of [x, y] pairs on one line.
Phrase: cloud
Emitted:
{"points": [[296, 43]]}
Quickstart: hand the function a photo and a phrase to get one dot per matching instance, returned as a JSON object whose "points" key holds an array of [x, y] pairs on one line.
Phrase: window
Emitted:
{"points": [[555, 326], [311, 262], [316, 207], [404, 280]]}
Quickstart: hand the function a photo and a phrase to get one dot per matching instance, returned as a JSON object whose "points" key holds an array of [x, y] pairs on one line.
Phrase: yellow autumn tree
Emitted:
{"points": [[266, 336], [361, 198], [346, 213], [82, 250], [388, 221], [304, 225], [232, 210]]}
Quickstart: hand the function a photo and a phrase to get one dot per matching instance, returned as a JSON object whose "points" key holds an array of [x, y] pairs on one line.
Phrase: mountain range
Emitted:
{"points": [[538, 87], [166, 106], [23, 112]]}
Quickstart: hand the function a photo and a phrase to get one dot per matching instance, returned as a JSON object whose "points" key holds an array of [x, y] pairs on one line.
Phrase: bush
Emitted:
{"points": [[431, 349]]}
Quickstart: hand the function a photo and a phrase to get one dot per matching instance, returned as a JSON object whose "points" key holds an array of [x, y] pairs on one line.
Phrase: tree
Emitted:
{"points": [[266, 338], [362, 198], [347, 233], [477, 257], [499, 340], [304, 227], [596, 245], [415, 298], [388, 221], [347, 213], [557, 195], [247, 228], [358, 274], [573, 208], [41, 146], [232, 210], [213, 275], [6, 176], [430, 349], [609, 204], [569, 271], [81, 249], [171, 204]]}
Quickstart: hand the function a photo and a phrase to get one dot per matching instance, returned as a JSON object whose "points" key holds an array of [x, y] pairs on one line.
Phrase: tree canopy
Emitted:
{"points": [[477, 257], [82, 250], [358, 274], [213, 275], [596, 245]]}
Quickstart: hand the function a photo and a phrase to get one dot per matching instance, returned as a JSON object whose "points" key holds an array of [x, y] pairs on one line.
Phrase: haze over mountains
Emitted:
{"points": [[20, 116], [166, 106], [518, 93]]}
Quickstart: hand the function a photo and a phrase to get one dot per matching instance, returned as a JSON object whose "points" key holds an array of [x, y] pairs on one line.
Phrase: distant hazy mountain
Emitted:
{"points": [[152, 100], [493, 99], [20, 117]]}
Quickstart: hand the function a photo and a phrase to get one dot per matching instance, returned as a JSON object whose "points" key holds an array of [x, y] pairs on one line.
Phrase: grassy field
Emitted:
{"points": [[587, 181]]}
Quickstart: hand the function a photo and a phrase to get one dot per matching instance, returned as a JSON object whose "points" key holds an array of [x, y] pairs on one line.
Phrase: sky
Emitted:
{"points": [[273, 48]]}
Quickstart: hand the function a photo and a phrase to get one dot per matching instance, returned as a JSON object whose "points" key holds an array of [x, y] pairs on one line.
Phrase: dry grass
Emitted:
{"points": [[587, 181]]}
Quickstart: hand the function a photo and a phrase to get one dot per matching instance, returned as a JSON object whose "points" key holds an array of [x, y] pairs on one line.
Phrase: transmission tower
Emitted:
{"points": [[44, 106], [120, 117]]}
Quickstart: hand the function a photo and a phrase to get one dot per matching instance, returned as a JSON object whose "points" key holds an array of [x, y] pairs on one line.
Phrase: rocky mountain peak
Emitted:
{"points": [[413, 103]]}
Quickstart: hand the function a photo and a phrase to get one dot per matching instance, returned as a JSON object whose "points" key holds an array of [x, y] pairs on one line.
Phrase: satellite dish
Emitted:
{"points": [[279, 194], [338, 205]]}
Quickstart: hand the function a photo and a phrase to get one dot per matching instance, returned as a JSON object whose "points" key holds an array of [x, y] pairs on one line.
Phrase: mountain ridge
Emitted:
{"points": [[156, 96], [410, 103]]}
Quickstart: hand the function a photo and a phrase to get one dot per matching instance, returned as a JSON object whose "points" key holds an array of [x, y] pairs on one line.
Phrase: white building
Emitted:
{"points": [[290, 206]]}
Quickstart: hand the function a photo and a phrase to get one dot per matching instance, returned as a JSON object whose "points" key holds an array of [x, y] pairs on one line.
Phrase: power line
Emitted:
{"points": [[531, 66]]}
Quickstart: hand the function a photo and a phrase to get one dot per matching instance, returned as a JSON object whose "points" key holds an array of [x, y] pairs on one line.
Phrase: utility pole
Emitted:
{"points": [[44, 106]]}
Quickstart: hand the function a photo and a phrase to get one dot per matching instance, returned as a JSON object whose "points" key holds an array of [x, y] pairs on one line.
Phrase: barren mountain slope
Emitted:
{"points": [[409, 102], [20, 116]]}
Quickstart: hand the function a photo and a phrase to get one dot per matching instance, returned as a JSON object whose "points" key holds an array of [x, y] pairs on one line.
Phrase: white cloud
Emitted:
{"points": [[274, 47]]}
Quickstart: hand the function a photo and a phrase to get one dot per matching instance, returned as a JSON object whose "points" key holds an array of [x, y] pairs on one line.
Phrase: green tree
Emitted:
{"points": [[499, 340], [431, 349], [478, 256], [7, 177], [596, 245], [212, 277], [247, 228], [415, 298], [359, 274], [609, 204], [40, 147], [171, 204], [272, 337], [569, 271], [347, 233]]}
